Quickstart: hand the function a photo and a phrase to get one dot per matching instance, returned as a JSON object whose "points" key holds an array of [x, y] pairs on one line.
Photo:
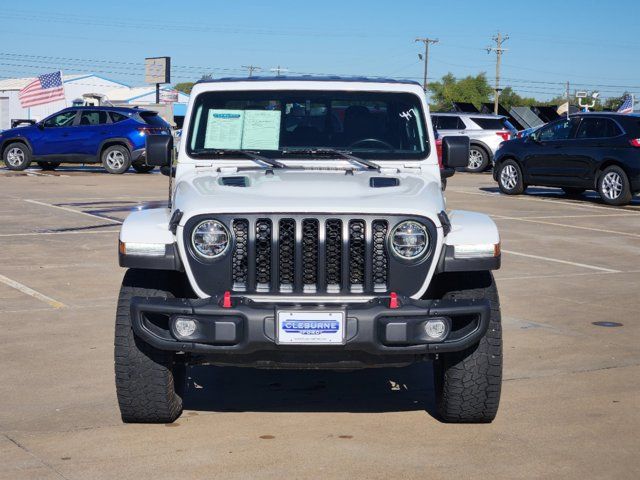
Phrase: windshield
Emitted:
{"points": [[367, 124]]}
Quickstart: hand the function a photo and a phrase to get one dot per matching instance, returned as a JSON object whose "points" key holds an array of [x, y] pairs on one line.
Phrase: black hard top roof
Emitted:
{"points": [[309, 78]]}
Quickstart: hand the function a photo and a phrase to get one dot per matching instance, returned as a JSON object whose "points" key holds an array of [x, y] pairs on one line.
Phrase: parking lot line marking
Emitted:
{"points": [[603, 230], [532, 198], [588, 215], [71, 232], [565, 262], [31, 292], [67, 209]]}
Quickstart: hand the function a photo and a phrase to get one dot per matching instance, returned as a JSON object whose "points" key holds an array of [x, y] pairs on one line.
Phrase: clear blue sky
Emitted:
{"points": [[593, 44]]}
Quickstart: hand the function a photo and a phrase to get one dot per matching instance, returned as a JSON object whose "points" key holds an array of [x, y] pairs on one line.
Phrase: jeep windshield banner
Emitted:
{"points": [[370, 124]]}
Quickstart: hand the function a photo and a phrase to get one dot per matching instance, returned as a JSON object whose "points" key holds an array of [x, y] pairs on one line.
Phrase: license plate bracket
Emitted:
{"points": [[310, 327]]}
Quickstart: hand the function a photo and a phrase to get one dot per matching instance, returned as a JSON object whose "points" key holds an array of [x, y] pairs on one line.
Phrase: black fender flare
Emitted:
{"points": [[115, 140], [18, 139], [484, 146]]}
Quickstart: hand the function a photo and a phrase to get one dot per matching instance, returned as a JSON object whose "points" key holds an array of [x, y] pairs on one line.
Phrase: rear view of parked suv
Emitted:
{"points": [[589, 151], [485, 133], [112, 136]]}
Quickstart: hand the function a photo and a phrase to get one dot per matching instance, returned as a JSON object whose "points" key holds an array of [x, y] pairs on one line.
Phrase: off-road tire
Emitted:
{"points": [[624, 195], [510, 167], [468, 383], [480, 159], [116, 159], [48, 166], [146, 378], [573, 191], [140, 167], [14, 160]]}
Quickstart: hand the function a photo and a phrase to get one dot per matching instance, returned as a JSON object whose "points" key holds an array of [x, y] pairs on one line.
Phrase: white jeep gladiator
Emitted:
{"points": [[307, 228]]}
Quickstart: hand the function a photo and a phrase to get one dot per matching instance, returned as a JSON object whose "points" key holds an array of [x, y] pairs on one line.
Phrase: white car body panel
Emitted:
{"points": [[471, 228], [147, 226]]}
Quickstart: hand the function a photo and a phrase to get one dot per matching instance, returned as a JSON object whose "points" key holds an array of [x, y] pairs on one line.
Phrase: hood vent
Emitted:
{"points": [[234, 181], [381, 182]]}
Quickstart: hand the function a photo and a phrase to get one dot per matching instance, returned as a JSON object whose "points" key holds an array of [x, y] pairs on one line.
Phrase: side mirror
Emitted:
{"points": [[455, 152], [159, 150], [40, 125]]}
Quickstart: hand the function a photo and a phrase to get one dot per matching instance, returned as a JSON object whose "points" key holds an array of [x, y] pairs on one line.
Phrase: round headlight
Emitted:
{"points": [[210, 239], [410, 240]]}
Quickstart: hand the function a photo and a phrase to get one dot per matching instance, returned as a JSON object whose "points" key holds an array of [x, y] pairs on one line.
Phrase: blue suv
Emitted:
{"points": [[112, 136]]}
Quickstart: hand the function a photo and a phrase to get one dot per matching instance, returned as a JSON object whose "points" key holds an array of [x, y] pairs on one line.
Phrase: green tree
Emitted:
{"points": [[184, 87], [472, 89], [509, 98]]}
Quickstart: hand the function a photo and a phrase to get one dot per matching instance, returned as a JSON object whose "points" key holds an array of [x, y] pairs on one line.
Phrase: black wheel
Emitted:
{"points": [[146, 378], [468, 383], [510, 179], [48, 165], [613, 186], [141, 167], [16, 156], [116, 159], [478, 159]]}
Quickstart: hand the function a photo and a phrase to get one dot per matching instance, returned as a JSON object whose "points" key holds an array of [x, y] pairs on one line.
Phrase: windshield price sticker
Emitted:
{"points": [[302, 328]]}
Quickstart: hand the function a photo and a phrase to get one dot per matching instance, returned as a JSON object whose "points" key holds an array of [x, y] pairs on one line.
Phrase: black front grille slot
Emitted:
{"points": [[263, 254], [333, 255], [357, 246], [240, 250], [380, 269], [287, 254], [310, 231]]}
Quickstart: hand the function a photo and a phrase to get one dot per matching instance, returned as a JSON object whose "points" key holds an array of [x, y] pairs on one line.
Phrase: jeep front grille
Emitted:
{"points": [[310, 255]]}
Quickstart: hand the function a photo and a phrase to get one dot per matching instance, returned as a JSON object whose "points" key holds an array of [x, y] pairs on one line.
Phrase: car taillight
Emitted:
{"points": [[635, 142], [505, 134], [439, 152]]}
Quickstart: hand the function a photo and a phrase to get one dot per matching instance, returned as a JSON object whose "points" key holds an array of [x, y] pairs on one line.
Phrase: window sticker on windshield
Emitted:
{"points": [[407, 115], [261, 130], [224, 129]]}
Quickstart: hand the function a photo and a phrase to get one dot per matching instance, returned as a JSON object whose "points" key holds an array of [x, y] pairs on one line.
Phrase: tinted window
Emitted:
{"points": [[93, 117], [449, 123], [558, 130], [117, 117], [370, 124], [64, 119], [490, 123], [153, 119], [598, 128]]}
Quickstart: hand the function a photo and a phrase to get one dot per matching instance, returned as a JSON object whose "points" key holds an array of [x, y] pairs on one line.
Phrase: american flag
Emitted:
{"points": [[45, 88], [627, 105]]}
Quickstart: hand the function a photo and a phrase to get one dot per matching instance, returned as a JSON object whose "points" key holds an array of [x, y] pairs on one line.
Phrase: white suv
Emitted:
{"points": [[485, 132], [307, 228]]}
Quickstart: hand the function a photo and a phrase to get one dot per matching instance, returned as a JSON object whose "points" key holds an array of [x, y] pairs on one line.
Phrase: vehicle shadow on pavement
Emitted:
{"points": [[541, 192], [227, 389]]}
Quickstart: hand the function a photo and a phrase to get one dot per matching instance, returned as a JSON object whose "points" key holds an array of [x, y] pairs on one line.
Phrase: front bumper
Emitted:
{"points": [[245, 334]]}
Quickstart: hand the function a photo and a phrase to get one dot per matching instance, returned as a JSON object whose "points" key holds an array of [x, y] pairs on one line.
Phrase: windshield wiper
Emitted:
{"points": [[209, 152], [345, 154]]}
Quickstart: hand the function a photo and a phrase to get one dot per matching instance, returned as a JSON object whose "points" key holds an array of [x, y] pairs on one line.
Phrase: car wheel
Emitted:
{"points": [[141, 167], [510, 178], [573, 190], [478, 159], [48, 165], [116, 159], [613, 186], [17, 156]]}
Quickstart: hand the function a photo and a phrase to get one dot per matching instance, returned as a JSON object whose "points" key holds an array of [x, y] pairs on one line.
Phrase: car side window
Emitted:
{"points": [[557, 131], [597, 128], [93, 117], [450, 123], [117, 117], [64, 119]]}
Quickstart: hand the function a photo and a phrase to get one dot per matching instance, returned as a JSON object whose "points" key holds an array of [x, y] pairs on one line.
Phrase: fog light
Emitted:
{"points": [[436, 329], [184, 327]]}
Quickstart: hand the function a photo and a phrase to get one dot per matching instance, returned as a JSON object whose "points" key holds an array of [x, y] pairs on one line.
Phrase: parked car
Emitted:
{"points": [[315, 246], [485, 133], [527, 131], [588, 151], [113, 136]]}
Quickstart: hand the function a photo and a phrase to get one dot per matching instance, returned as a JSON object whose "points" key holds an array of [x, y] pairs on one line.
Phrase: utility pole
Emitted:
{"points": [[427, 42], [279, 69], [499, 39], [251, 69], [568, 100]]}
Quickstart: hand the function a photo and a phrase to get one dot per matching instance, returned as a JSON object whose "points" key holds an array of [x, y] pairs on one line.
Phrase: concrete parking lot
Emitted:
{"points": [[571, 390]]}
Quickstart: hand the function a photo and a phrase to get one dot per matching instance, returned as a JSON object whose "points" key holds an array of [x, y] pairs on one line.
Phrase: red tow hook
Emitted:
{"points": [[393, 300], [226, 300]]}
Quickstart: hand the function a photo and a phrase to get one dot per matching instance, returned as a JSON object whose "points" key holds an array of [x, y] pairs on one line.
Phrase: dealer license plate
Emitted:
{"points": [[310, 328]]}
